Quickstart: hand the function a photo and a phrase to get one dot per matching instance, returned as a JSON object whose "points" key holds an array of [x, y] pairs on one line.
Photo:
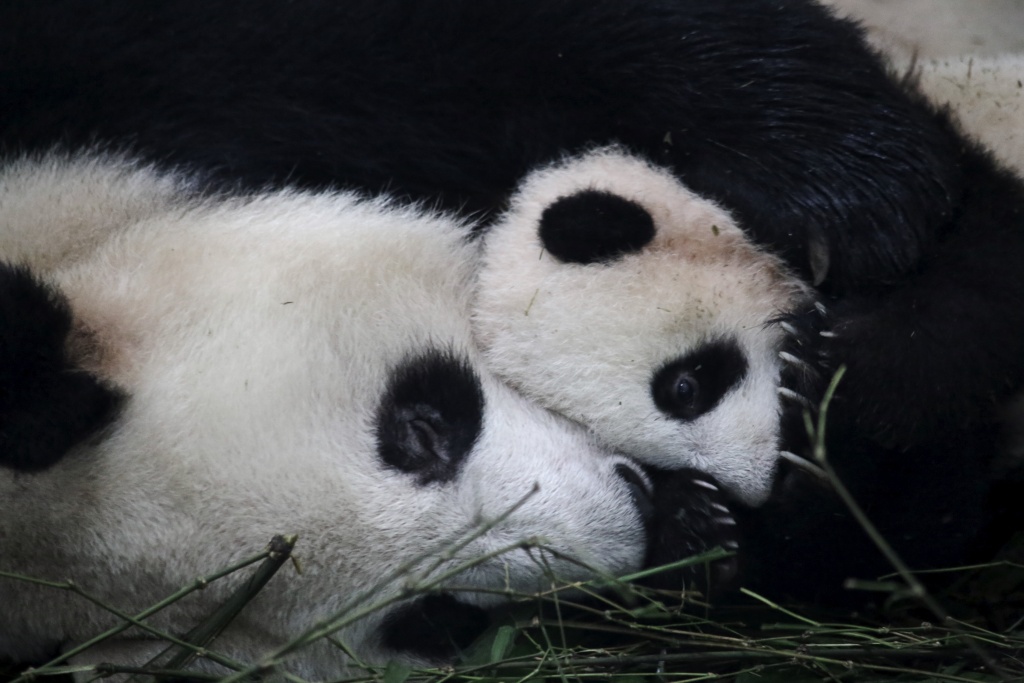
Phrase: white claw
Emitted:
{"points": [[791, 395], [821, 308], [705, 484], [789, 329], [725, 521], [828, 335], [730, 545], [793, 360], [720, 507]]}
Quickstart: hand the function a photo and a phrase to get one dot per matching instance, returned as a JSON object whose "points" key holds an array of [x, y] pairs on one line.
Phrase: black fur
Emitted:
{"points": [[690, 386], [938, 350], [913, 429], [437, 627], [430, 417], [594, 227], [47, 405], [639, 492], [936, 504], [772, 107], [691, 516]]}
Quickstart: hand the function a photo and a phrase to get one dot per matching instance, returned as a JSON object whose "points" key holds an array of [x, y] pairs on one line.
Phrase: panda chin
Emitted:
{"points": [[435, 628], [687, 513]]}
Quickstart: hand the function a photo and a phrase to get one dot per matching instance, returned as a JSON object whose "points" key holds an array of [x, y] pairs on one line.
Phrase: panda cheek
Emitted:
{"points": [[593, 226]]}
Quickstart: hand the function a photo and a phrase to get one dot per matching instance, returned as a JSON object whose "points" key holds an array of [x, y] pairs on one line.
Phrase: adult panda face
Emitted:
{"points": [[288, 363], [615, 296]]}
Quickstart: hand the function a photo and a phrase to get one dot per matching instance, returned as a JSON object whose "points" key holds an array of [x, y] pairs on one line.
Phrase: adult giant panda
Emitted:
{"points": [[183, 376], [773, 108]]}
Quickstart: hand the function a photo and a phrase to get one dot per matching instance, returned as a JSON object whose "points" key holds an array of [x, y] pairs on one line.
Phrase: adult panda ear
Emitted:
{"points": [[47, 404], [430, 416], [594, 226]]}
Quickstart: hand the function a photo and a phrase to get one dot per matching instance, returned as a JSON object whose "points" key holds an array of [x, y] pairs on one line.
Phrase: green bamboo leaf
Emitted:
{"points": [[502, 643], [396, 672]]}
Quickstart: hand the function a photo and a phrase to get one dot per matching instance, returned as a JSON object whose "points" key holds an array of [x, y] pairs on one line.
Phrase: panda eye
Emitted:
{"points": [[677, 392], [687, 389], [692, 385]]}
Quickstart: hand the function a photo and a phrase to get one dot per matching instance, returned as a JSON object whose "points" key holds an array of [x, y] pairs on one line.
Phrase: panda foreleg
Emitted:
{"points": [[942, 350], [47, 404]]}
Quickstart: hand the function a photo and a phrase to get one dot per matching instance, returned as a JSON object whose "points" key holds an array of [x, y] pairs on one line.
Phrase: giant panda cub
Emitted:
{"points": [[185, 376], [613, 294]]}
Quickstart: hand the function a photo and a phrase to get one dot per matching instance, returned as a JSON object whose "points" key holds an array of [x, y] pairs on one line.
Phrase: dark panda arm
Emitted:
{"points": [[913, 430], [939, 351], [773, 107], [47, 405], [934, 504]]}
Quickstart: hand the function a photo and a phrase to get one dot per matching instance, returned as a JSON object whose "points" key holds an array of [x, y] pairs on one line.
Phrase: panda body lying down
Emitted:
{"points": [[280, 363], [774, 108], [771, 107]]}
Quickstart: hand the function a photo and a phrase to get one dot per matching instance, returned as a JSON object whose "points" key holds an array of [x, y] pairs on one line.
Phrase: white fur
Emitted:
{"points": [[585, 340], [987, 94], [254, 338]]}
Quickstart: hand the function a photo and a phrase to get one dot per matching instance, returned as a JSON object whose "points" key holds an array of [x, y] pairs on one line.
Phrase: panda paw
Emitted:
{"points": [[881, 395], [808, 364], [692, 516]]}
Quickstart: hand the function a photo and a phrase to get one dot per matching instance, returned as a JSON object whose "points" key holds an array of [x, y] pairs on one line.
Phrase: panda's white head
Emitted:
{"points": [[612, 294], [289, 363]]}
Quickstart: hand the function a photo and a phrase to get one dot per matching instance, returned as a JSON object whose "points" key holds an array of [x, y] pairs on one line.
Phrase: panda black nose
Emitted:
{"points": [[639, 490]]}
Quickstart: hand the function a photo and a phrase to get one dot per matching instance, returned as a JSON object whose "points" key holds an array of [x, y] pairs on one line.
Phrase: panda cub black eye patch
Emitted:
{"points": [[592, 226], [692, 385], [429, 417]]}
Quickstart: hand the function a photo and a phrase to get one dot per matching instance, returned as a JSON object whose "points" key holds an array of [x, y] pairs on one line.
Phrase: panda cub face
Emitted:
{"points": [[613, 295], [289, 363]]}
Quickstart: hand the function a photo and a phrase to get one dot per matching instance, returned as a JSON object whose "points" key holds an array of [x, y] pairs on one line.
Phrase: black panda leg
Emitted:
{"points": [[938, 352], [913, 428], [47, 405], [933, 504]]}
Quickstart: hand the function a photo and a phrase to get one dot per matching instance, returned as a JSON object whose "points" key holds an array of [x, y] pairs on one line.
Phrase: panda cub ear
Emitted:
{"points": [[594, 226], [47, 404]]}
